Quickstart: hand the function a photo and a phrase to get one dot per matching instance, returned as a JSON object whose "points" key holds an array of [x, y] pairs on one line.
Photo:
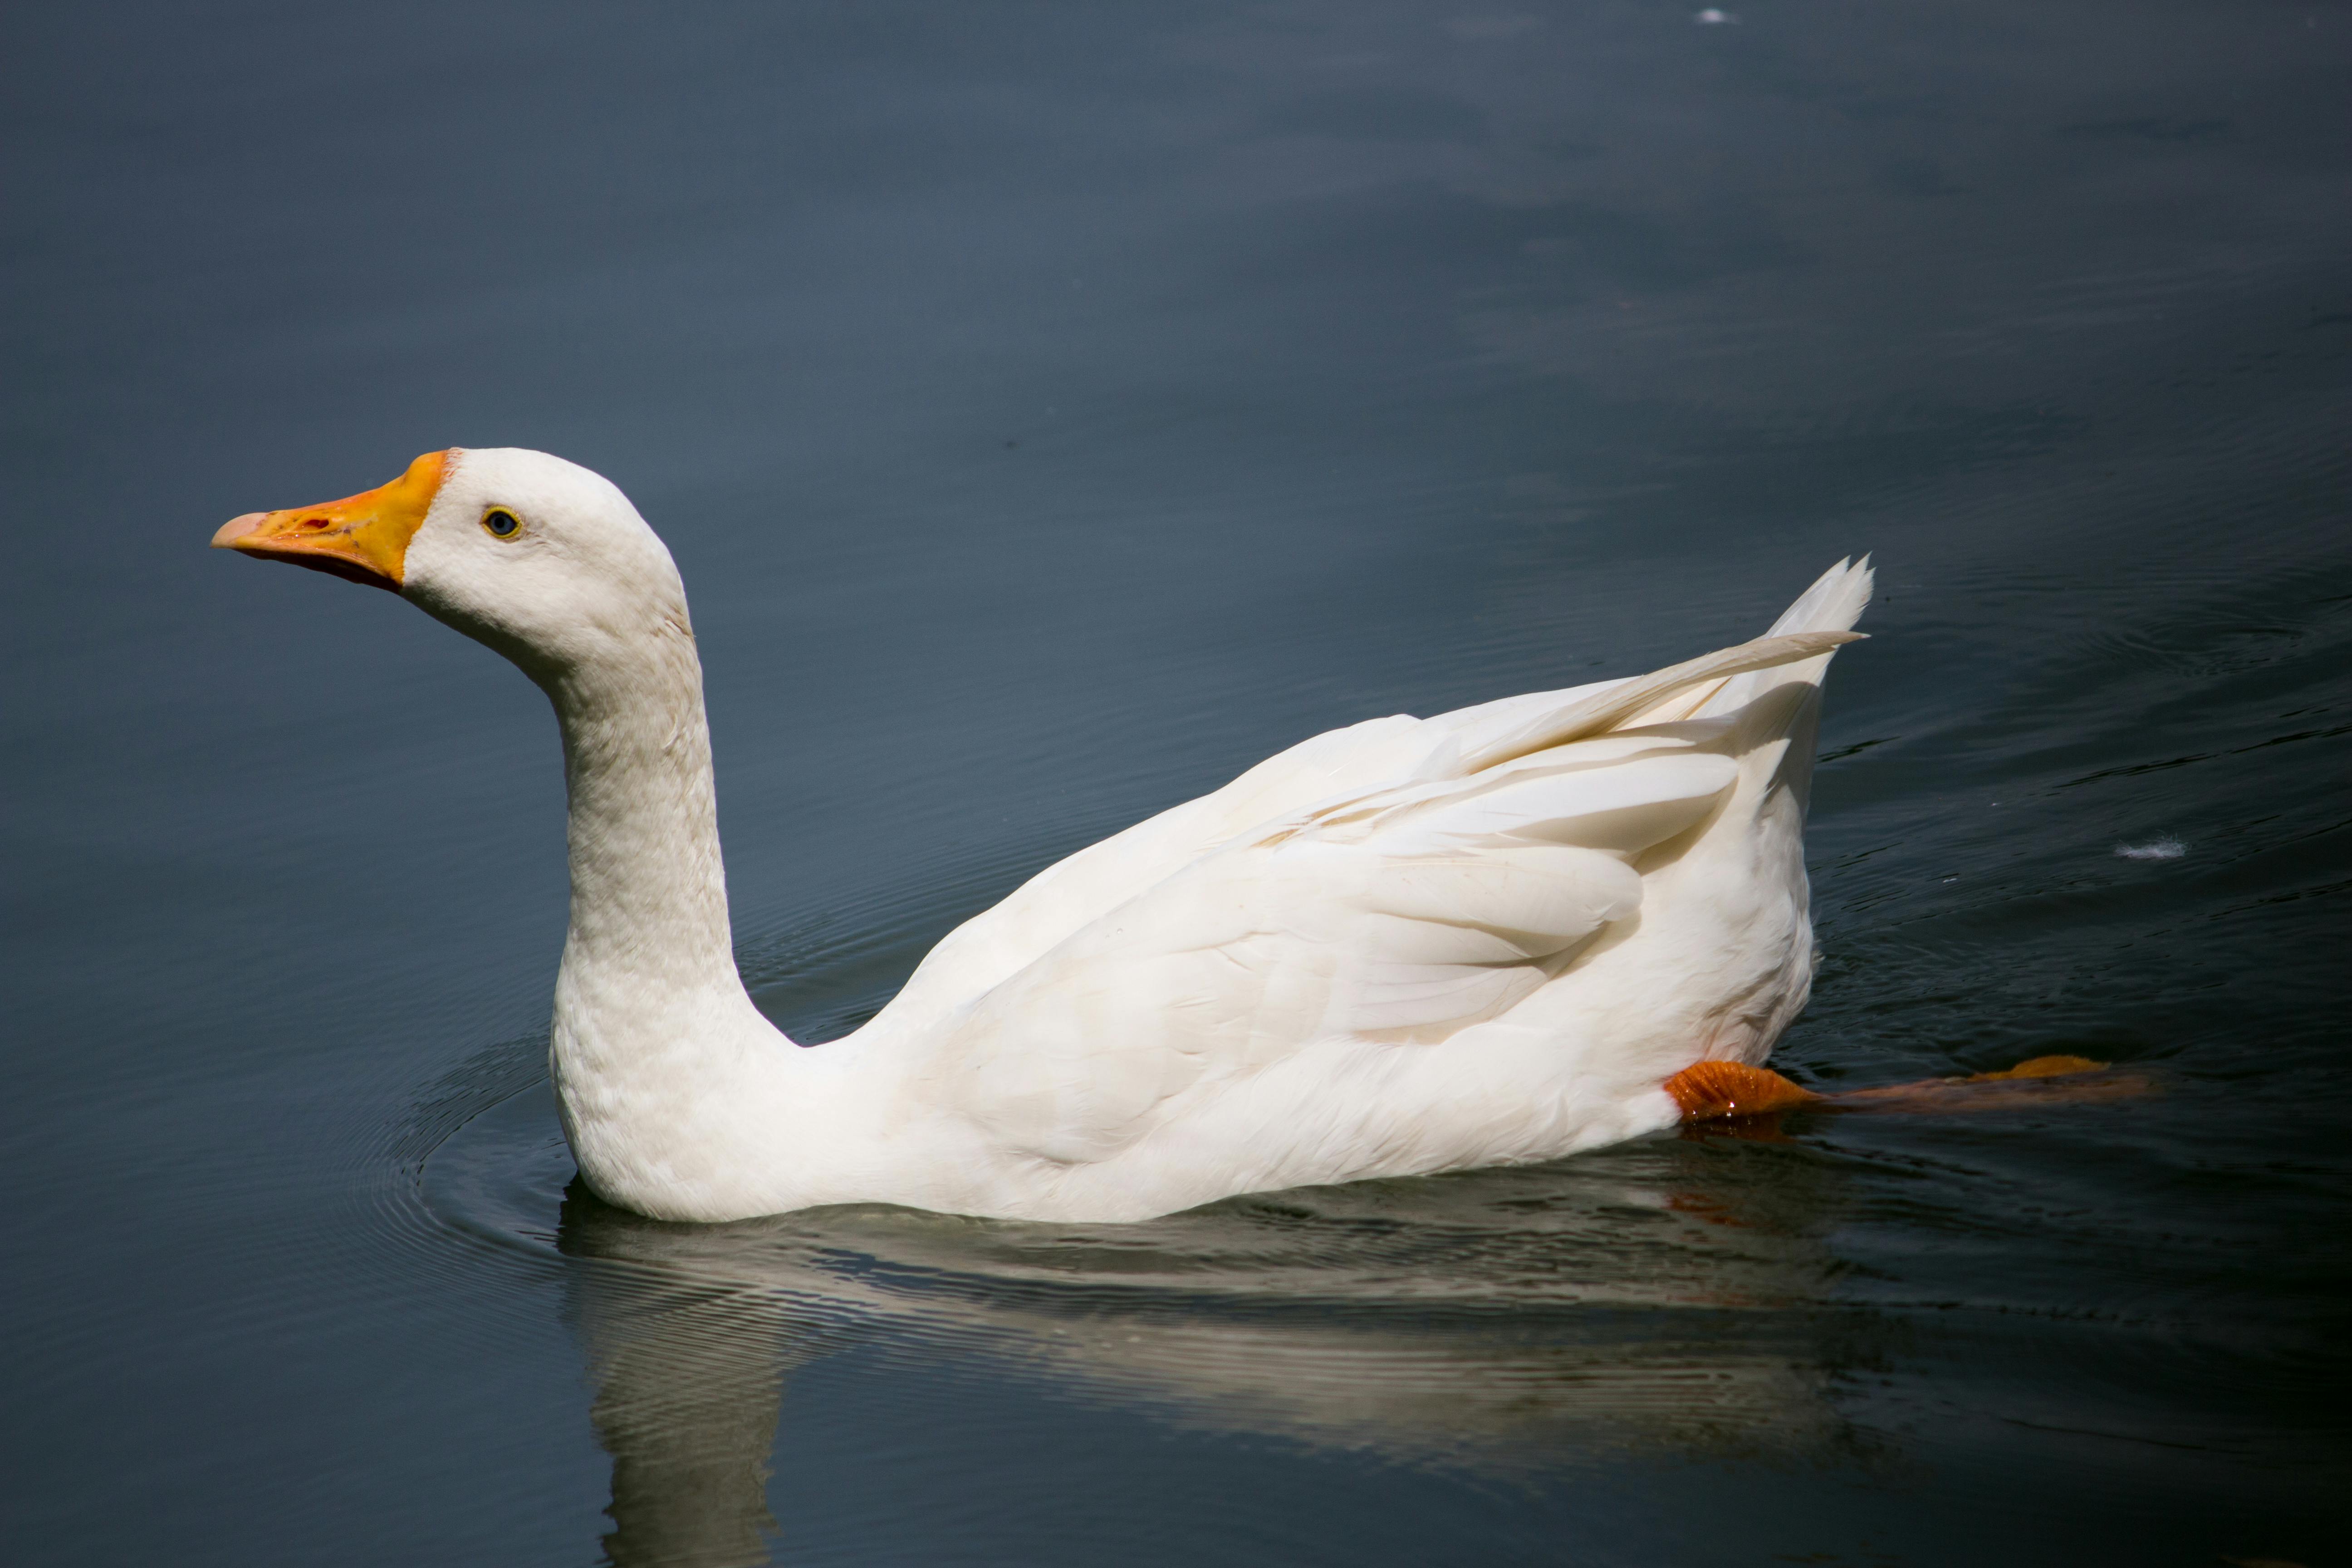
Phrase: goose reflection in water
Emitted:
{"points": [[1674, 1296]]}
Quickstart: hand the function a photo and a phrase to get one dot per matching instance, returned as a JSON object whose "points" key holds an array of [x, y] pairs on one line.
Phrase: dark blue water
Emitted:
{"points": [[1054, 410]]}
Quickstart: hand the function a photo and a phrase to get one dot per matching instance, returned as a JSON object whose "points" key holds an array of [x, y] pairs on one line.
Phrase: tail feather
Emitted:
{"points": [[1621, 705], [1832, 603], [1796, 649]]}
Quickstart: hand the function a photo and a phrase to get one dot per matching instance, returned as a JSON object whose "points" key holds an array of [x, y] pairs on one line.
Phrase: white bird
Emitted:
{"points": [[1499, 935]]}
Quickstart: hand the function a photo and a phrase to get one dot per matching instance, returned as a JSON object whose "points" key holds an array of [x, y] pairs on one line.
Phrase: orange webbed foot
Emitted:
{"points": [[1710, 1091], [2043, 1080]]}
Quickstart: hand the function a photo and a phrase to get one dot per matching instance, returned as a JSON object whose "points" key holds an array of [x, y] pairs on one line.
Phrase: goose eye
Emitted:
{"points": [[503, 523]]}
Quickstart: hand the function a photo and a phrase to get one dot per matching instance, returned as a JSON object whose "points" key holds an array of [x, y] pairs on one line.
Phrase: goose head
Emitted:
{"points": [[539, 559]]}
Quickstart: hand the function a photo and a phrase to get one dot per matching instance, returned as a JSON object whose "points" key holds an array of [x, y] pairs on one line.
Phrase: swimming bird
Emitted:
{"points": [[1497, 935]]}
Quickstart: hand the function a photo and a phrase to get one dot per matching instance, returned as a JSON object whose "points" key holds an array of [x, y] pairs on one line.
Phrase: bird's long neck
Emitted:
{"points": [[655, 1046], [648, 889]]}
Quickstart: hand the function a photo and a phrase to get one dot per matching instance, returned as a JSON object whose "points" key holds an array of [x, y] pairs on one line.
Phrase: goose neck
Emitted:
{"points": [[648, 886]]}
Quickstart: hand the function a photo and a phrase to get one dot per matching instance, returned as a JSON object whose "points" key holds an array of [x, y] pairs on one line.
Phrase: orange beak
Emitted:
{"points": [[364, 538]]}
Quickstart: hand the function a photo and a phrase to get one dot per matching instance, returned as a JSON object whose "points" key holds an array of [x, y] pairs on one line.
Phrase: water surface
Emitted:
{"points": [[1054, 410]]}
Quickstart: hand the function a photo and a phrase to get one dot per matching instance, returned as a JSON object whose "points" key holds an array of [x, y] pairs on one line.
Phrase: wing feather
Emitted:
{"points": [[1358, 778], [1442, 907]]}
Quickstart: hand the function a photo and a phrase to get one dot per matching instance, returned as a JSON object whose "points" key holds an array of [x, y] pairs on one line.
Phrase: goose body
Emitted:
{"points": [[1406, 946]]}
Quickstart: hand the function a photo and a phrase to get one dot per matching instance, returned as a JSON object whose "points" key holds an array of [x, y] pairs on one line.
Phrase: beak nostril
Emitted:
{"points": [[314, 522]]}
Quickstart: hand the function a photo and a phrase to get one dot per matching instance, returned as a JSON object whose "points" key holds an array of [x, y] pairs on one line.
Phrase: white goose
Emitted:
{"points": [[1502, 934]]}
